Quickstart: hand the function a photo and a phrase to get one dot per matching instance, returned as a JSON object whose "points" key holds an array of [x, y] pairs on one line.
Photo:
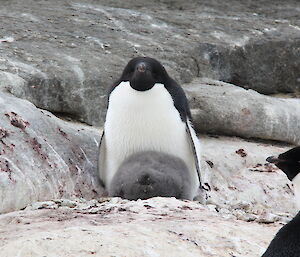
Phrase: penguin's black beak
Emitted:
{"points": [[141, 67], [142, 78], [274, 159]]}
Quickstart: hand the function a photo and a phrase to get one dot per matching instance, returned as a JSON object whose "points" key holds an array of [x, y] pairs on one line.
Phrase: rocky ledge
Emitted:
{"points": [[154, 227]]}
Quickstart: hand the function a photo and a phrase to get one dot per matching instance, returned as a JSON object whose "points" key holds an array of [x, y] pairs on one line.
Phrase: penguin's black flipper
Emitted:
{"points": [[102, 159], [181, 104], [195, 149]]}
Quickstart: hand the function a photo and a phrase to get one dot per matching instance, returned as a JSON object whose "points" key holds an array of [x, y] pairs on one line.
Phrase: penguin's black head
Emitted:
{"points": [[288, 162], [143, 73]]}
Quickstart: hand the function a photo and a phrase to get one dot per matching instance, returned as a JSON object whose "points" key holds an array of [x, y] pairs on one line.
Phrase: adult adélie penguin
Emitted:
{"points": [[148, 111], [289, 163], [286, 243]]}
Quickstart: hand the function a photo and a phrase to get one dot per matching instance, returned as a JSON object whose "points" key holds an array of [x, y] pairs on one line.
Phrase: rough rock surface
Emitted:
{"points": [[154, 227], [43, 157], [222, 108], [243, 183], [62, 55]]}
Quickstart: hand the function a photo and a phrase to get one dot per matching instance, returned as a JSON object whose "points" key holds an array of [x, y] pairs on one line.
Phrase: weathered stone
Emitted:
{"points": [[42, 205], [268, 62], [242, 181], [226, 109], [154, 227], [43, 157], [63, 56]]}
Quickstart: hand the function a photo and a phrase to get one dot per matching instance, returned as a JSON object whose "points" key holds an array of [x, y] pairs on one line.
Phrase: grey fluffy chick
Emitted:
{"points": [[148, 174]]}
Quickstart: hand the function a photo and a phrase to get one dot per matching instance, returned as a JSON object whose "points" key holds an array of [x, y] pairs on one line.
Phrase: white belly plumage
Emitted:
{"points": [[147, 120]]}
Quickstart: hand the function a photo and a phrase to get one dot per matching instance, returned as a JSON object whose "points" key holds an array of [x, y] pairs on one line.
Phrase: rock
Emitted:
{"points": [[43, 157], [40, 160], [63, 56], [266, 62], [154, 227], [42, 205], [246, 185], [75, 52], [222, 108]]}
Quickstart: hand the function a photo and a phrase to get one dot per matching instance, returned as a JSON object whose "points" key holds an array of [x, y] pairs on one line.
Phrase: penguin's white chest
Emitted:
{"points": [[138, 121]]}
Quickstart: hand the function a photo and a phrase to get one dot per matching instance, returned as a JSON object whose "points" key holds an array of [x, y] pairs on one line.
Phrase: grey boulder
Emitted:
{"points": [[62, 56], [241, 180], [225, 109], [43, 157]]}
